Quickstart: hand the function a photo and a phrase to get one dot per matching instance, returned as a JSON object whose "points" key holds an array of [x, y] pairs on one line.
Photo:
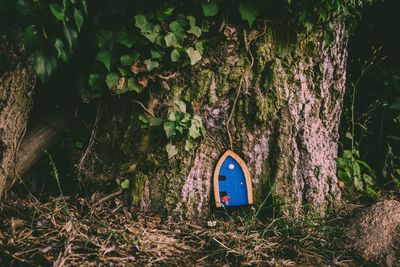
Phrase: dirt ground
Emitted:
{"points": [[101, 231]]}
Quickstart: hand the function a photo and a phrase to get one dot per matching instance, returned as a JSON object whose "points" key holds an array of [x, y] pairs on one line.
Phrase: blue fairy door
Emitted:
{"points": [[230, 185]]}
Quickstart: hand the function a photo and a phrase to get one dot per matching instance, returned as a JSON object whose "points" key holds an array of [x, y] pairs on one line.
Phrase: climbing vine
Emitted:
{"points": [[131, 42]]}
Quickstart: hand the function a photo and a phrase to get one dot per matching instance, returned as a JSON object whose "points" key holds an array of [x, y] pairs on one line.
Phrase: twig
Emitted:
{"points": [[233, 111], [145, 109], [92, 138], [110, 196]]}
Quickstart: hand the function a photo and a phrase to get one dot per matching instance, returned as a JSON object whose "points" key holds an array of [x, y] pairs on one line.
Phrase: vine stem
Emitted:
{"points": [[232, 112], [247, 43]]}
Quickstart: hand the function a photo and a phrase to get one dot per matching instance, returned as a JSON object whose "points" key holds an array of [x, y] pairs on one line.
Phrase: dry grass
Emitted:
{"points": [[82, 232]]}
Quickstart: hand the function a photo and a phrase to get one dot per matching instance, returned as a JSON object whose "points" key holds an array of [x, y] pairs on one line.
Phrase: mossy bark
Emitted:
{"points": [[16, 97], [284, 125]]}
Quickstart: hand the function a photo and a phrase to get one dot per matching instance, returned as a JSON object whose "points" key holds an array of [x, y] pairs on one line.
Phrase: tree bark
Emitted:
{"points": [[284, 125], [16, 92]]}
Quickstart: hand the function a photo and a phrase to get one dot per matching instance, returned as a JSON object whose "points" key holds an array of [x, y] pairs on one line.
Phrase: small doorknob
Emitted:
{"points": [[231, 166]]}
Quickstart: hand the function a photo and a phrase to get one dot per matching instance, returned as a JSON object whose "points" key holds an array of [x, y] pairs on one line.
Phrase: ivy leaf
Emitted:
{"points": [[368, 179], [125, 39], [144, 121], [178, 30], [112, 80], [134, 86], [151, 64], [189, 144], [44, 65], [61, 54], [94, 80], [104, 56], [147, 29], [168, 11], [210, 8], [358, 183], [181, 106], [125, 184], [141, 22], [194, 131], [172, 41], [176, 56], [249, 11], [78, 18], [156, 55], [193, 28], [155, 122], [130, 59], [57, 11], [194, 55], [199, 47], [71, 36], [104, 39], [169, 128], [171, 150]]}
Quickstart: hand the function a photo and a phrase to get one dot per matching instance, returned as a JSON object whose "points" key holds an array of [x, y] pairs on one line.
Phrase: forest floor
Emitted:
{"points": [[101, 231]]}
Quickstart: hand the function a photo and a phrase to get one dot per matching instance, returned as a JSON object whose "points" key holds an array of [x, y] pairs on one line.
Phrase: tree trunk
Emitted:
{"points": [[284, 125], [16, 92]]}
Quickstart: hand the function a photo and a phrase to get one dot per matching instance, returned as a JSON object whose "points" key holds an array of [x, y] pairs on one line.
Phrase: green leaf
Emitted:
{"points": [[168, 11], [125, 184], [78, 18], [104, 57], [176, 56], [181, 106], [249, 11], [144, 121], [189, 144], [347, 154], [130, 59], [61, 54], [171, 150], [368, 179], [71, 36], [194, 131], [57, 11], [147, 29], [141, 22], [169, 128], [93, 80], [358, 183], [44, 65], [199, 47], [193, 28], [104, 39], [349, 136], [125, 39], [155, 122], [32, 39], [156, 55], [172, 41], [194, 55], [210, 8], [151, 64], [134, 86], [112, 80], [178, 30], [371, 192]]}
